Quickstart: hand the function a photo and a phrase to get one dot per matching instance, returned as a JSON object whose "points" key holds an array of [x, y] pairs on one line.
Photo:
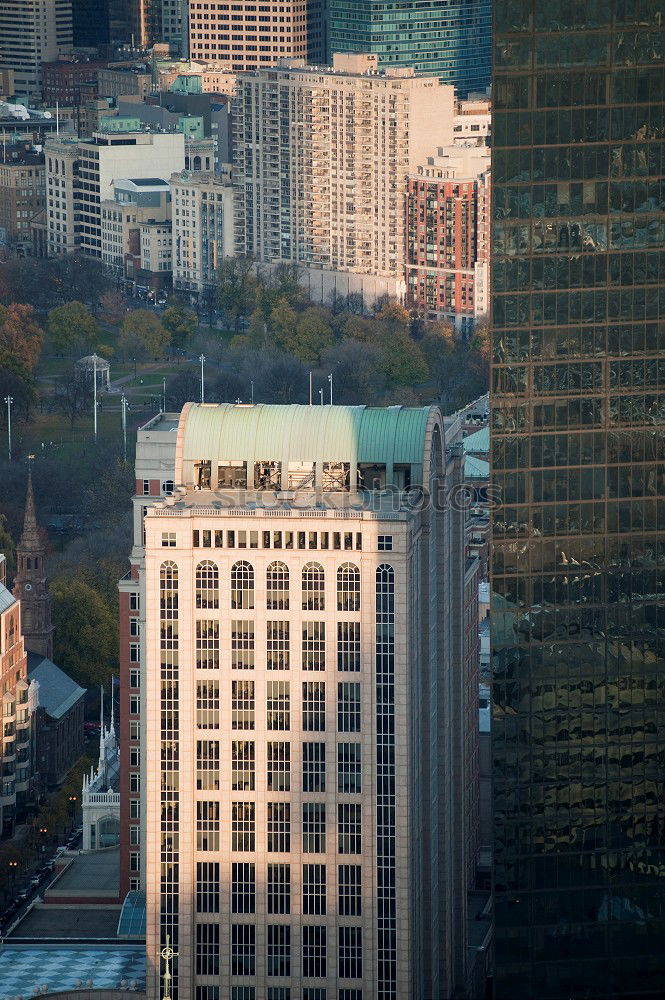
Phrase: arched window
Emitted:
{"points": [[313, 581], [242, 585], [277, 587], [168, 614], [207, 585], [197, 163], [348, 587], [28, 563]]}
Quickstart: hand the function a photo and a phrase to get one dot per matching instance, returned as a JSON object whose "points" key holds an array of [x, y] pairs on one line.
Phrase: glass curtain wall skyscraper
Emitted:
{"points": [[578, 462], [446, 38]]}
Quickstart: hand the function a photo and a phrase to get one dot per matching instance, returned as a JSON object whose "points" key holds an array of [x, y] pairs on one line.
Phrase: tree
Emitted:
{"points": [[6, 544], [402, 361], [311, 336], [283, 320], [142, 335], [184, 388], [356, 372], [20, 336], [72, 329], [17, 382], [438, 342], [85, 643], [73, 395], [282, 380], [181, 324], [236, 288], [112, 307], [393, 319]]}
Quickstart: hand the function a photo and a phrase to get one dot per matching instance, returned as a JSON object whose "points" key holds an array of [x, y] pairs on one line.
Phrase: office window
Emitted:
{"points": [[314, 706], [349, 767], [279, 950], [169, 539], [207, 644], [242, 586], [243, 887], [207, 826], [242, 644], [314, 993], [348, 587], [279, 992], [207, 765], [242, 704], [243, 993], [313, 827], [313, 767], [349, 828], [277, 587], [207, 993], [279, 827], [279, 888], [243, 950], [313, 645], [279, 767], [243, 774], [385, 543], [277, 645], [313, 586], [207, 585], [278, 704], [243, 828], [207, 704], [314, 889], [348, 707], [350, 952], [348, 646], [349, 890], [207, 887], [207, 949], [314, 952]]}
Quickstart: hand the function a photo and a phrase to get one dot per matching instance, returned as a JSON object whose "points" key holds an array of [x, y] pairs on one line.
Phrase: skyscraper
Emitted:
{"points": [[451, 40], [577, 438], [33, 32], [303, 703]]}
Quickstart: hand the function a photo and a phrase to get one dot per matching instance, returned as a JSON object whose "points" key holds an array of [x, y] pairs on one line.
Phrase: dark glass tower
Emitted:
{"points": [[578, 458], [447, 38]]}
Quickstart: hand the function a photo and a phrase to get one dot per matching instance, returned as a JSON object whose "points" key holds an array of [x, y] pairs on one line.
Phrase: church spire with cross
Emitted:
{"points": [[30, 585]]}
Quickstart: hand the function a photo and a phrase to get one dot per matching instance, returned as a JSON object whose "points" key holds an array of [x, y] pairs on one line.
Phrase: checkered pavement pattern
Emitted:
{"points": [[21, 969]]}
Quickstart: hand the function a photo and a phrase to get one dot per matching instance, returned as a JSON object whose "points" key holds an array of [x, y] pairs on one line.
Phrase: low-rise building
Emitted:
{"points": [[202, 228], [118, 79], [473, 121], [136, 229], [447, 236], [62, 80], [59, 720], [100, 795], [22, 192]]}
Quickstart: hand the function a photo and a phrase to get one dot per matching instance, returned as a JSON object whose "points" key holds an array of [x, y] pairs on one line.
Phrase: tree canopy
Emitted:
{"points": [[142, 335], [72, 329], [21, 337], [85, 637]]}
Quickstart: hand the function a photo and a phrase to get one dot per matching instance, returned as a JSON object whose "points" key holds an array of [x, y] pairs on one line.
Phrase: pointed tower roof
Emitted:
{"points": [[31, 538]]}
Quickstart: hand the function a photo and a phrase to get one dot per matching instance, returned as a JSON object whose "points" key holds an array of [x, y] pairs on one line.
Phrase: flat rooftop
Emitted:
{"points": [[50, 921], [95, 874], [23, 968]]}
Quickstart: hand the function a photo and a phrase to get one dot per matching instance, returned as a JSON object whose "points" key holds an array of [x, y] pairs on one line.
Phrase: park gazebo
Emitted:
{"points": [[93, 363]]}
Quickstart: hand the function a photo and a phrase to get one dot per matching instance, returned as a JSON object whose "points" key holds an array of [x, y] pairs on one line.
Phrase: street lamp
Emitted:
{"points": [[134, 360], [72, 806], [9, 400], [202, 360], [43, 830], [13, 866]]}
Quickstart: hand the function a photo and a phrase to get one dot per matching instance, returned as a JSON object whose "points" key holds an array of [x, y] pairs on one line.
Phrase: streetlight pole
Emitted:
{"points": [[202, 360], [321, 396], [331, 387], [252, 385], [9, 400], [94, 394], [123, 404], [164, 388]]}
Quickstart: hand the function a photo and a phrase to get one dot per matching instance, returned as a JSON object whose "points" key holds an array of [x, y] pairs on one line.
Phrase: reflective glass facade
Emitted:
{"points": [[578, 460], [449, 38]]}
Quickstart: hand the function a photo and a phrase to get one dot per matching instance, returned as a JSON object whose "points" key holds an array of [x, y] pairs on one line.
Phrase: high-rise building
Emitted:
{"points": [[577, 449], [321, 158], [91, 23], [447, 236], [22, 192], [175, 28], [451, 40], [80, 176], [202, 228], [300, 698], [33, 32]]}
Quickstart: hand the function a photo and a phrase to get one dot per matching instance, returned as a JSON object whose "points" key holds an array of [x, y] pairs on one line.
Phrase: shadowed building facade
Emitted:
{"points": [[577, 452]]}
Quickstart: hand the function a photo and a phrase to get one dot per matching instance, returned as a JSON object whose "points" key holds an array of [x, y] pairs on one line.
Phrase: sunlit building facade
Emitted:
{"points": [[577, 451]]}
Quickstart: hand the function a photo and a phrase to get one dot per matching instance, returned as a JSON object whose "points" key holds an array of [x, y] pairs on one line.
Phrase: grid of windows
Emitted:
{"points": [[278, 705], [349, 890], [313, 767], [350, 952], [207, 949], [243, 826], [277, 645], [207, 826], [169, 757], [207, 887], [313, 706], [313, 645], [313, 827], [314, 952], [242, 704], [243, 950], [349, 828], [349, 769], [386, 900], [277, 587], [348, 587], [207, 765], [243, 887], [207, 704], [278, 952], [348, 707], [242, 586], [314, 889], [279, 767], [279, 888], [207, 585], [348, 646], [207, 644], [243, 769], [242, 644], [279, 827], [313, 587]]}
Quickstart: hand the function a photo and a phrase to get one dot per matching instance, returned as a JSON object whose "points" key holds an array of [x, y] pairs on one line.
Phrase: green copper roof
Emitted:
{"points": [[478, 442], [228, 432]]}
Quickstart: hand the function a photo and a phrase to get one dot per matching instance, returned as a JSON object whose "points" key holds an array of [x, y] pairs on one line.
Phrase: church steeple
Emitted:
{"points": [[30, 586]]}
